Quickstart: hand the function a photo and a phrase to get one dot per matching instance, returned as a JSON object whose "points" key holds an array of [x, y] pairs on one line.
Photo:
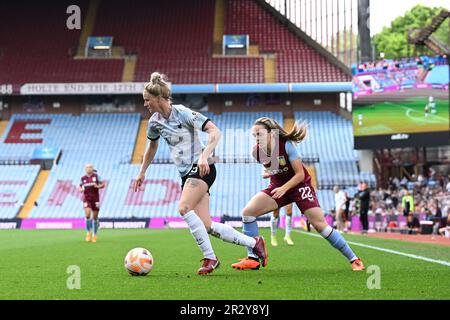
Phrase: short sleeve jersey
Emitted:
{"points": [[181, 131]]}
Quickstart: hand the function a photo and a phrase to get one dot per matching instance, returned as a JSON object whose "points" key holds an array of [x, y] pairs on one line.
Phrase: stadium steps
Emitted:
{"points": [[141, 143], [34, 194], [129, 68], [3, 125], [253, 50], [270, 68], [88, 27], [219, 26]]}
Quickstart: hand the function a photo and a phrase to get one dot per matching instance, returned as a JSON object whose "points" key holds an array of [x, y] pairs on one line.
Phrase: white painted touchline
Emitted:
{"points": [[409, 255]]}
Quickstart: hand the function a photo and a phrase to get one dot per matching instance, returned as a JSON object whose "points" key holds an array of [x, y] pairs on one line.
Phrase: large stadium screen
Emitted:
{"points": [[401, 103]]}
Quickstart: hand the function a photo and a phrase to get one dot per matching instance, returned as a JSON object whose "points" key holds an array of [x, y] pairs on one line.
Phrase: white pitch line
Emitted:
{"points": [[409, 255], [409, 110]]}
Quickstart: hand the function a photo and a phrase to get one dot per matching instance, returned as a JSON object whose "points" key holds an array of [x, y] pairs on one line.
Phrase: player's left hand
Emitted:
{"points": [[277, 193], [203, 166]]}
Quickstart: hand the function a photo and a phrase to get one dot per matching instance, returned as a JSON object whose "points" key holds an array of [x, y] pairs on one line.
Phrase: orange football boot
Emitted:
{"points": [[247, 263], [357, 265]]}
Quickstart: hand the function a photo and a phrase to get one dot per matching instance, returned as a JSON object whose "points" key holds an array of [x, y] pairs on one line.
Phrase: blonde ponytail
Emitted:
{"points": [[158, 86]]}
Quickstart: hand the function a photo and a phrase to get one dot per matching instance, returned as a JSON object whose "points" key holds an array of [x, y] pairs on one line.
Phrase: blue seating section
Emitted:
{"points": [[234, 186], [237, 141], [15, 184], [96, 138], [340, 173], [439, 75], [329, 136], [108, 140], [368, 178]]}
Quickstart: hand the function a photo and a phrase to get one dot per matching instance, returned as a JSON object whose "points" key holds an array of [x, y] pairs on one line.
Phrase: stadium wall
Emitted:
{"points": [[282, 102], [274, 102]]}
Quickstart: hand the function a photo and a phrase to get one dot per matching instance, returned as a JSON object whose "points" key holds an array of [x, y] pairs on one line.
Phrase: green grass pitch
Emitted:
{"points": [[34, 266], [400, 117]]}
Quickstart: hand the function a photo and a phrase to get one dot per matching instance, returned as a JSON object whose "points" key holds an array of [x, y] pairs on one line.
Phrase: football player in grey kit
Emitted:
{"points": [[180, 126]]}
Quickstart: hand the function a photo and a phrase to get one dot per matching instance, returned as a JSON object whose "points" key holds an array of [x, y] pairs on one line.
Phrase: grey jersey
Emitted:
{"points": [[181, 132]]}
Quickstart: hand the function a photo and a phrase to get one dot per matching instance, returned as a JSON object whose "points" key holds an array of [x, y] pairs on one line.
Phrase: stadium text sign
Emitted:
{"points": [[82, 88]]}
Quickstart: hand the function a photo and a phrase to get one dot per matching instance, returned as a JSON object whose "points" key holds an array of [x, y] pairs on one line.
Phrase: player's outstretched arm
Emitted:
{"points": [[149, 155], [213, 139]]}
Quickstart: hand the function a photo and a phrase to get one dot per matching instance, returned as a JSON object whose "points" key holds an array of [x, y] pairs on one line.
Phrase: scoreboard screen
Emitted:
{"points": [[401, 103]]}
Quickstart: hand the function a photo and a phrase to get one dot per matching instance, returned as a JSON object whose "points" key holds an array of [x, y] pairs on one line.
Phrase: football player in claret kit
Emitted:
{"points": [[90, 185], [289, 182]]}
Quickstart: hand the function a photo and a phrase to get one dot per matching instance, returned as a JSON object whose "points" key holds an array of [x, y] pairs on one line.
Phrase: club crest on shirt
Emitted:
{"points": [[281, 161], [94, 179]]}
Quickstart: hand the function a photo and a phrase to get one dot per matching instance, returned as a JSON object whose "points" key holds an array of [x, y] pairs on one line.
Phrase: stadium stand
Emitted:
{"points": [[78, 137], [108, 140], [237, 140], [115, 143], [248, 17], [321, 126], [22, 50], [235, 185], [15, 184], [192, 23], [438, 75]]}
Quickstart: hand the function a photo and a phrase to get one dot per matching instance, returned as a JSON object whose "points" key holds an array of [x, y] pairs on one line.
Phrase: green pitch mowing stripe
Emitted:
{"points": [[35, 262], [401, 117]]}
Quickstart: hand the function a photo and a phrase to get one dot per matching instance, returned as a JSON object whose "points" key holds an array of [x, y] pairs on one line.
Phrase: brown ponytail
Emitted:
{"points": [[297, 133]]}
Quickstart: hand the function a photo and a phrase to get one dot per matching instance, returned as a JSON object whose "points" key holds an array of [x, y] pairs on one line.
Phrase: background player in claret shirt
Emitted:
{"points": [[289, 182], [274, 221], [179, 127], [90, 185], [288, 226]]}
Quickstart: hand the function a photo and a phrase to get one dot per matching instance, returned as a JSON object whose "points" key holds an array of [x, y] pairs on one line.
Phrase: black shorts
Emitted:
{"points": [[194, 173]]}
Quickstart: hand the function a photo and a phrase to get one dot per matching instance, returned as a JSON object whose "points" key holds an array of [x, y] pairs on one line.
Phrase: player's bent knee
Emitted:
{"points": [[183, 209], [247, 212]]}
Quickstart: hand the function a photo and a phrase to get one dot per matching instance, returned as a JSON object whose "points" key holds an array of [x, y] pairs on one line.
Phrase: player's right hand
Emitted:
{"points": [[138, 182]]}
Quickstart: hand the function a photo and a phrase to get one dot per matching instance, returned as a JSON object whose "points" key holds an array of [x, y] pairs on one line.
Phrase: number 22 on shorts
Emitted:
{"points": [[306, 193]]}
